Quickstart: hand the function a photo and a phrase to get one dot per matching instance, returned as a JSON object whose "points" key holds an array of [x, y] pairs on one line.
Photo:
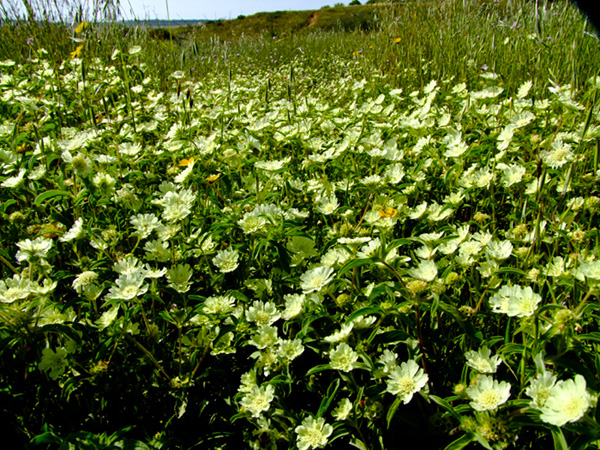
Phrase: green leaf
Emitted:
{"points": [[354, 263], [130, 444], [390, 336], [560, 443], [461, 442], [8, 203], [358, 444], [319, 368], [331, 391], [46, 438], [482, 441], [595, 336], [363, 312], [512, 270], [447, 406], [393, 408], [81, 197], [50, 194]]}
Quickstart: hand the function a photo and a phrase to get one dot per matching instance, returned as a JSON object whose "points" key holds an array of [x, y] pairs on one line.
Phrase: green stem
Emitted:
{"points": [[9, 265], [150, 356]]}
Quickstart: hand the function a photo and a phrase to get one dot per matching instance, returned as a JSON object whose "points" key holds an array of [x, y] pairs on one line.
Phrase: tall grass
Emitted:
{"points": [[411, 43]]}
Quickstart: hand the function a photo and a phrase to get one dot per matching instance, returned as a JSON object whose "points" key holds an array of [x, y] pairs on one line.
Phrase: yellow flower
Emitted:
{"points": [[397, 40], [185, 162], [213, 178], [75, 53], [388, 212], [82, 26]]}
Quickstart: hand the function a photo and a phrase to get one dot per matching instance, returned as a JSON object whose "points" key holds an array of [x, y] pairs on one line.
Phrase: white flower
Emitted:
{"points": [[568, 402], [515, 301], [144, 224], [426, 271], [128, 287], [262, 313], [482, 361], [157, 250], [76, 232], [105, 184], [524, 89], [15, 181], [179, 277], [487, 394], [394, 174], [32, 251], [294, 304], [559, 154], [343, 358], [219, 305], [499, 250], [406, 380], [177, 206], [313, 433], [227, 260], [129, 265], [336, 256], [290, 349], [266, 336], [340, 335], [107, 317], [16, 288], [343, 410], [556, 267], [389, 360], [258, 399], [84, 280], [418, 211], [271, 166], [327, 205], [252, 222], [512, 174], [589, 271], [540, 388], [316, 279]]}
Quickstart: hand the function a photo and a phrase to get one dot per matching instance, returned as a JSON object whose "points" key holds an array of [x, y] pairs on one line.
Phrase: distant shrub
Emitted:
{"points": [[363, 21], [354, 3]]}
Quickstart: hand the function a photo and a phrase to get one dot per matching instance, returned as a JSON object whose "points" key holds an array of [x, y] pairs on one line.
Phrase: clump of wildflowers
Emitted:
{"points": [[313, 433]]}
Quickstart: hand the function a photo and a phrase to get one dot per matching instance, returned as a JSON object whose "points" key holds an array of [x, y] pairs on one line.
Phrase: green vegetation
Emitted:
{"points": [[290, 231]]}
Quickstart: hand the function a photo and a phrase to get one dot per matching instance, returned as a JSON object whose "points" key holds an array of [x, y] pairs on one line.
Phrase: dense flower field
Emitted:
{"points": [[262, 261]]}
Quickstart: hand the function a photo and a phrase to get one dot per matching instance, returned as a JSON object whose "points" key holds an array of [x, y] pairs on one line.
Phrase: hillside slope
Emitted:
{"points": [[281, 23]]}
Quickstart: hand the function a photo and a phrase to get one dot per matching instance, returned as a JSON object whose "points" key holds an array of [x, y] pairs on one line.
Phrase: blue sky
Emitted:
{"points": [[211, 9]]}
